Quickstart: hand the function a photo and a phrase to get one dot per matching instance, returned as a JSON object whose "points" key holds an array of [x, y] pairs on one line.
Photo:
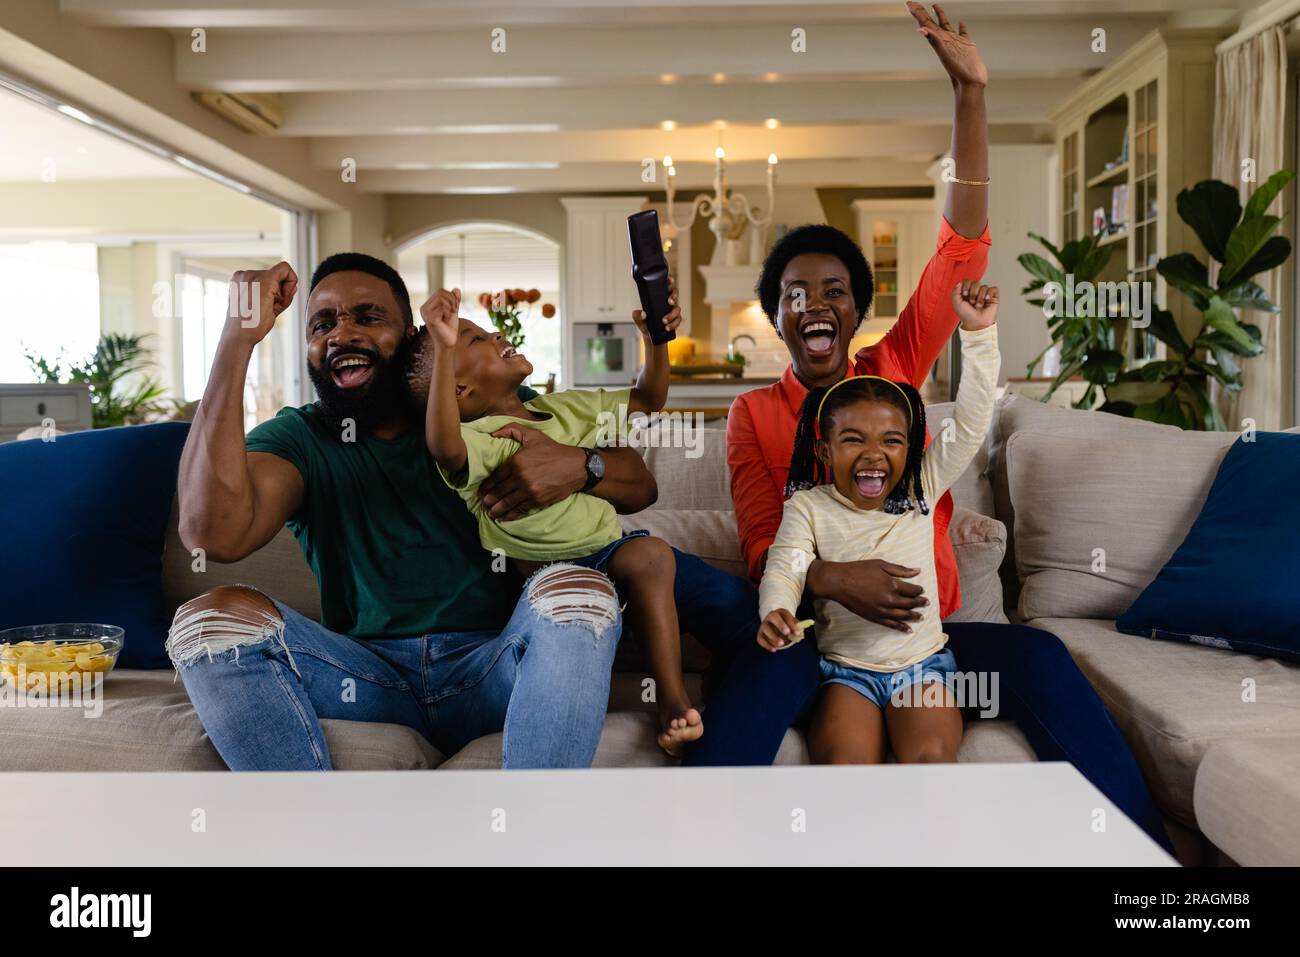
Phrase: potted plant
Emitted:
{"points": [[1088, 345], [112, 401], [1176, 389]]}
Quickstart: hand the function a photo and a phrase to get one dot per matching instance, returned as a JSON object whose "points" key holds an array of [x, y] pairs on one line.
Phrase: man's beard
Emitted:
{"points": [[384, 399]]}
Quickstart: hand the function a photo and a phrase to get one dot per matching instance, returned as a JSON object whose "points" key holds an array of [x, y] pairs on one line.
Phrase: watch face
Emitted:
{"points": [[596, 465]]}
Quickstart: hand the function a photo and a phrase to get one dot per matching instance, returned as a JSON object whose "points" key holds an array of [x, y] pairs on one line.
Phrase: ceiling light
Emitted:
{"points": [[496, 164], [667, 126], [76, 114], [772, 123], [498, 128]]}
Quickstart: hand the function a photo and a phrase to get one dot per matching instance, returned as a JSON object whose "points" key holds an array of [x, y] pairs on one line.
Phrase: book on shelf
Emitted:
{"points": [[1118, 207]]}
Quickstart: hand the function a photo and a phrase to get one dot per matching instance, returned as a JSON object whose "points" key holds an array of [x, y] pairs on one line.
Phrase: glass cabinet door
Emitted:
{"points": [[884, 263]]}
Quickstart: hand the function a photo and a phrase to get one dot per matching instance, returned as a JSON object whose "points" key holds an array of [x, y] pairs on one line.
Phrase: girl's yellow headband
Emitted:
{"points": [[817, 427]]}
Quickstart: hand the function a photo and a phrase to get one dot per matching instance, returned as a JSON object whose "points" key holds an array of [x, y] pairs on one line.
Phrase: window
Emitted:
{"points": [[151, 260], [63, 326]]}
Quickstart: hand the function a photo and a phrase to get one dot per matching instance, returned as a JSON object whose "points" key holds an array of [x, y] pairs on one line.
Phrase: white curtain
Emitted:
{"points": [[1249, 120]]}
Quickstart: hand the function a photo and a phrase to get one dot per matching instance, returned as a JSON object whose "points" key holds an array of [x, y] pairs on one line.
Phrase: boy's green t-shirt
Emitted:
{"points": [[573, 528], [394, 550]]}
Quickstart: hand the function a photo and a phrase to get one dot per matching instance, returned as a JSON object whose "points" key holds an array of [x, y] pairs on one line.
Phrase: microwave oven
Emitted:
{"points": [[605, 353]]}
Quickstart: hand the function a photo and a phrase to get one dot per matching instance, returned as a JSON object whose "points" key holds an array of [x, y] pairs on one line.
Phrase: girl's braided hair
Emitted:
{"points": [[807, 469]]}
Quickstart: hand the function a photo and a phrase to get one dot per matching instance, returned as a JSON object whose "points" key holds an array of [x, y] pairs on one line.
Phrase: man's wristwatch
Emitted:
{"points": [[595, 469]]}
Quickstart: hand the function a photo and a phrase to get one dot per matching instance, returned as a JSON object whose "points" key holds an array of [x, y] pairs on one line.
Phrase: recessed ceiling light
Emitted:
{"points": [[76, 114], [496, 164], [719, 78], [771, 77], [498, 128], [668, 126], [667, 78], [772, 123]]}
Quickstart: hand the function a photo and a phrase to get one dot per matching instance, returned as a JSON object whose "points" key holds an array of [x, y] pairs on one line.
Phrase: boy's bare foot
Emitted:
{"points": [[678, 726]]}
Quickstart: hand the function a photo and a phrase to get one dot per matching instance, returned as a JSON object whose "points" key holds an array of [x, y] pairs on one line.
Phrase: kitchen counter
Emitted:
{"points": [[750, 381], [710, 395]]}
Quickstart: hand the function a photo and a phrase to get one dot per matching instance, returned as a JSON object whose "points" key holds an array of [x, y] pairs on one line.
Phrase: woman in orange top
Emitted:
{"points": [[816, 287]]}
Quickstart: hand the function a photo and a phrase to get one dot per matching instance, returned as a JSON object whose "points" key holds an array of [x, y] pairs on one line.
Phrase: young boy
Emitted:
{"points": [[473, 392]]}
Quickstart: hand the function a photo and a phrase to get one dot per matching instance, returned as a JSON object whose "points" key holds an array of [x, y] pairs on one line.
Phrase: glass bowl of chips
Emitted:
{"points": [[68, 655]]}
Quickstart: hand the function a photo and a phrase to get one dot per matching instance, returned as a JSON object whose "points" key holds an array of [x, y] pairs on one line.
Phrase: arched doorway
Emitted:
{"points": [[488, 257]]}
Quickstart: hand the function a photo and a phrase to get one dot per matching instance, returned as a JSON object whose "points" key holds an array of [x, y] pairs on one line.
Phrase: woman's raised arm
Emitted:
{"points": [[967, 204]]}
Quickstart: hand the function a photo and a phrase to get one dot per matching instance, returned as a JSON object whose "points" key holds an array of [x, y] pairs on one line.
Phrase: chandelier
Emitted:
{"points": [[727, 212]]}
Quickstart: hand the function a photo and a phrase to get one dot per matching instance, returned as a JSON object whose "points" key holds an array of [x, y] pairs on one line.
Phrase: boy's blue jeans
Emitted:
{"points": [[543, 682]]}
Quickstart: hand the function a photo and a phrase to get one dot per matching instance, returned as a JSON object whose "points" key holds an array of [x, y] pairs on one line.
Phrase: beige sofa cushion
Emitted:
{"points": [[1174, 700], [692, 478], [1017, 414], [1247, 799], [980, 543], [1081, 502], [148, 724], [973, 488], [278, 569]]}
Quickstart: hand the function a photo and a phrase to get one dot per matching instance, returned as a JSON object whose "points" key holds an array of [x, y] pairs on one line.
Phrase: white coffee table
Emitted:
{"points": [[1018, 814]]}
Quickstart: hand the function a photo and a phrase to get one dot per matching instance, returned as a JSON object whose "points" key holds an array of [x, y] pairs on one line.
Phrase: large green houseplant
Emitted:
{"points": [[1088, 345], [112, 401], [1176, 390]]}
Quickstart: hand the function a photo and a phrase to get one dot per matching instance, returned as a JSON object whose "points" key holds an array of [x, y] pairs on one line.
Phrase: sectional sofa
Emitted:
{"points": [[1049, 490]]}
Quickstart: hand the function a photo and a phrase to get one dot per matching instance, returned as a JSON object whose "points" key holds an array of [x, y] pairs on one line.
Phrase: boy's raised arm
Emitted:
{"points": [[442, 419], [650, 394]]}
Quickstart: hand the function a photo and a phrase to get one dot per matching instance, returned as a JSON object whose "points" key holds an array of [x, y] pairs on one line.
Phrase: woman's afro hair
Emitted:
{"points": [[815, 238]]}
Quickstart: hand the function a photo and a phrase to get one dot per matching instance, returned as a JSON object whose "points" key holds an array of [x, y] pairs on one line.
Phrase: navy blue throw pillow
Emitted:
{"points": [[1233, 581], [82, 520]]}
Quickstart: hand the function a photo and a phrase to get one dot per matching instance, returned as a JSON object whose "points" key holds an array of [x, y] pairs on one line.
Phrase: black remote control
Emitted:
{"points": [[650, 270]]}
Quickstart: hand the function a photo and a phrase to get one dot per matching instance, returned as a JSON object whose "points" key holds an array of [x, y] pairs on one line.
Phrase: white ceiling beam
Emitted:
{"points": [[614, 177], [378, 112], [295, 62], [631, 147], [407, 14]]}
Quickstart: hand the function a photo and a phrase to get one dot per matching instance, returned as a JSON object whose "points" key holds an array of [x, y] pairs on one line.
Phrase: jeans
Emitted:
{"points": [[1058, 710], [763, 694], [544, 683], [879, 687]]}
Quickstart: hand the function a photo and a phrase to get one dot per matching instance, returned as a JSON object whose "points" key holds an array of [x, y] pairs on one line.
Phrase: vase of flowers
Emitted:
{"points": [[509, 307]]}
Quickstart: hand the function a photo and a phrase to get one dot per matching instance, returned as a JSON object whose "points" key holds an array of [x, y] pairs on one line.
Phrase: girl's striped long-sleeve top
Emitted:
{"points": [[822, 523]]}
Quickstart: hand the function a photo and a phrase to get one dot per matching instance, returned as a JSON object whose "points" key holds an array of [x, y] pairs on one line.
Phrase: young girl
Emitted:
{"points": [[473, 392], [865, 483]]}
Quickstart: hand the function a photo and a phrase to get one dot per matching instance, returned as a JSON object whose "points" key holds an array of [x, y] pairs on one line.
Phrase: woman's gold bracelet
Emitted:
{"points": [[970, 182]]}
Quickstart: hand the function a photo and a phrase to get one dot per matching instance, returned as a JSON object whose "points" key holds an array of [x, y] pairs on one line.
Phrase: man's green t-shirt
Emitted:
{"points": [[394, 550]]}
